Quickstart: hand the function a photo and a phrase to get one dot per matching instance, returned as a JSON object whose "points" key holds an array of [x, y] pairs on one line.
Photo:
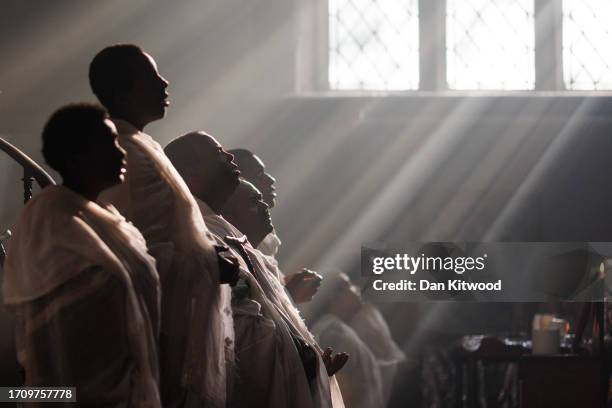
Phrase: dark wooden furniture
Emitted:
{"points": [[560, 381]]}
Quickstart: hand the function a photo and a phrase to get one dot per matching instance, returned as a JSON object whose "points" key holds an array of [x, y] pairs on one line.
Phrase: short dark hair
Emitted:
{"points": [[110, 71], [66, 133]]}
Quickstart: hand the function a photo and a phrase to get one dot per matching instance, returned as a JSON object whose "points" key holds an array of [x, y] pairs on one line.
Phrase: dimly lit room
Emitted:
{"points": [[306, 203]]}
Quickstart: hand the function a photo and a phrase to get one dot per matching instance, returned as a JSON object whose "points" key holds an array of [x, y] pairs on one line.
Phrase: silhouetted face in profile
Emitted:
{"points": [[209, 171], [105, 159], [129, 85], [80, 142], [346, 297], [148, 94], [218, 169], [254, 171], [246, 211], [347, 291], [145, 100]]}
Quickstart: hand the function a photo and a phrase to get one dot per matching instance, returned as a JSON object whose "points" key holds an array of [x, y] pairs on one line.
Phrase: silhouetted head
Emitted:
{"points": [[347, 295], [80, 143], [337, 296], [126, 81], [246, 211], [209, 171], [254, 171]]}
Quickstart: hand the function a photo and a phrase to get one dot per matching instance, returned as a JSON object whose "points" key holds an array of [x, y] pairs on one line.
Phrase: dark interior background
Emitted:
{"points": [[351, 169]]}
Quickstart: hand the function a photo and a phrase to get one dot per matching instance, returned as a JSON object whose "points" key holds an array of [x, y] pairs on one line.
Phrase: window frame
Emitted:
{"points": [[313, 52]]}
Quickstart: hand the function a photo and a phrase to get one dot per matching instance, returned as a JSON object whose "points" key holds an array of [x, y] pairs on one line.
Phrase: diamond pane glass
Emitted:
{"points": [[373, 44], [490, 44], [587, 44]]}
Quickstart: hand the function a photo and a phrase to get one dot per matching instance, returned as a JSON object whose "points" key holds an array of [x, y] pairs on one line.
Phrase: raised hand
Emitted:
{"points": [[333, 363], [303, 285]]}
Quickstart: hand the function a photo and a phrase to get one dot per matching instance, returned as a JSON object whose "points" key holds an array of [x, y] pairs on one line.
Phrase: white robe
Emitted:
{"points": [[86, 296], [270, 245], [268, 368], [269, 249], [268, 296], [360, 379], [372, 329], [195, 308]]}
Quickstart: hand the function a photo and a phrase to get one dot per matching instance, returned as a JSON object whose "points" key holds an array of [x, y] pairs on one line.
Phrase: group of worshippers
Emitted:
{"points": [[149, 277]]}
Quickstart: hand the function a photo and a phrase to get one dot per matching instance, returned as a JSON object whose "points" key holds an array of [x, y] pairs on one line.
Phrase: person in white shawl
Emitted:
{"points": [[270, 369], [196, 325], [365, 382], [78, 277], [372, 328], [246, 210], [302, 285]]}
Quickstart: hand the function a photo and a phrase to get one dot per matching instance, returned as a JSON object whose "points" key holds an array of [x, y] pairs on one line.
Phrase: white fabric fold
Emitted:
{"points": [[64, 249], [196, 315]]}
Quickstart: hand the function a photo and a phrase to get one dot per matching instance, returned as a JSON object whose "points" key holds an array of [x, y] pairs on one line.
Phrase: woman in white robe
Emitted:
{"points": [[86, 297], [78, 277]]}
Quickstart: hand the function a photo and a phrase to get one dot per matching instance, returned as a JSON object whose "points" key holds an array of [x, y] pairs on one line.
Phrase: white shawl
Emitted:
{"points": [[196, 314], [372, 329], [279, 306], [59, 235], [360, 379]]}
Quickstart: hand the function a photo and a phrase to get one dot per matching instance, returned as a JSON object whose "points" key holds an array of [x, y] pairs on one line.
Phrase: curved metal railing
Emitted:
{"points": [[31, 172]]}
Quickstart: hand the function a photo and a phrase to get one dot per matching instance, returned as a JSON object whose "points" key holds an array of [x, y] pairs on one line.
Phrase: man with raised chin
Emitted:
{"points": [[249, 213], [196, 323], [210, 173], [271, 369], [301, 285]]}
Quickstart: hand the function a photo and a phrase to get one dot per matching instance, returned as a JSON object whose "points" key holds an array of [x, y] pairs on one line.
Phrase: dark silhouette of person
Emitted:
{"points": [[254, 171], [249, 213], [196, 322], [209, 171], [85, 291], [302, 285], [126, 81]]}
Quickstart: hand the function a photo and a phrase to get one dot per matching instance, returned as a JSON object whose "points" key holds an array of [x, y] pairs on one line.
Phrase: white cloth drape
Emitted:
{"points": [[269, 293], [66, 255], [373, 330], [270, 245], [268, 371], [195, 308], [360, 379]]}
